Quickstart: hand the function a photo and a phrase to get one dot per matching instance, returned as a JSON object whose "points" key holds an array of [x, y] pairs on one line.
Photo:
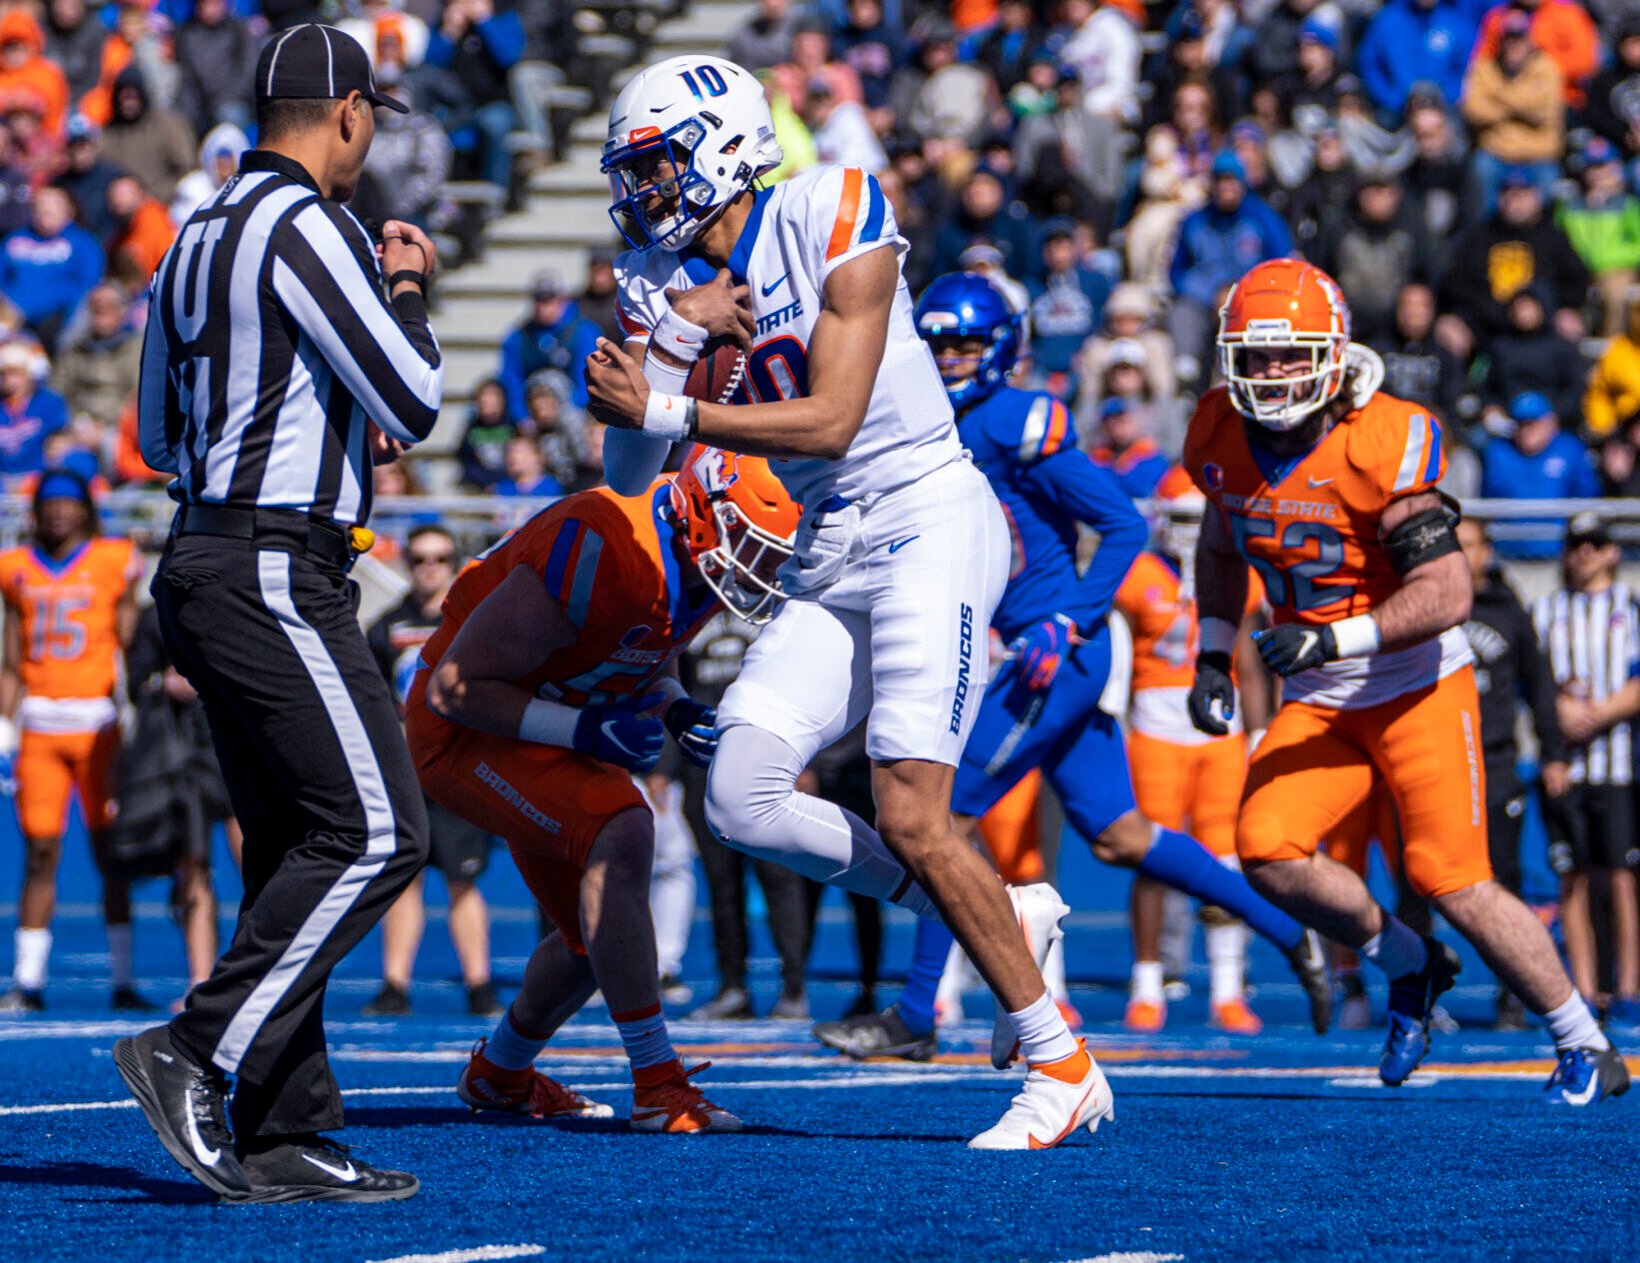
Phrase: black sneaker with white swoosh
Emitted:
{"points": [[184, 1104], [317, 1169]]}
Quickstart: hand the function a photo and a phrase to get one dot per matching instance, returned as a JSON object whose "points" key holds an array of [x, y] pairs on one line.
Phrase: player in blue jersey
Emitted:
{"points": [[1042, 707]]}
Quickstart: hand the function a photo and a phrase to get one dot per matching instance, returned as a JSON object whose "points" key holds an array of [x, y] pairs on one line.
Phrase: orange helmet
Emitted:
{"points": [[1178, 509], [1281, 304], [739, 523]]}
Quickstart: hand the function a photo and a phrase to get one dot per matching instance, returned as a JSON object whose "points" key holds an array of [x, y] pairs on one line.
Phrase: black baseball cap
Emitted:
{"points": [[314, 62], [1587, 528]]}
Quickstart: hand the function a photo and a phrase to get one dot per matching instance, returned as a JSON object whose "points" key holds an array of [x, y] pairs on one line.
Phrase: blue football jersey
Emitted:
{"points": [[1025, 444]]}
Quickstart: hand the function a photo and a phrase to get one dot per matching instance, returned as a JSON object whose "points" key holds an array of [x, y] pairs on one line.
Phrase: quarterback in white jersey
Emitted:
{"points": [[902, 552]]}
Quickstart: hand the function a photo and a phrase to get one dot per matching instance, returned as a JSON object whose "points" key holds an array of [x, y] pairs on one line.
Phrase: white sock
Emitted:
{"points": [[119, 953], [1573, 1025], [1043, 1035], [1147, 981], [1395, 949], [33, 950], [1226, 960]]}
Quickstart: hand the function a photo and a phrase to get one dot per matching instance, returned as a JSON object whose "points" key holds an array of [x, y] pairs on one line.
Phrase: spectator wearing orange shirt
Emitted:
{"points": [[23, 64], [142, 228], [1561, 28]]}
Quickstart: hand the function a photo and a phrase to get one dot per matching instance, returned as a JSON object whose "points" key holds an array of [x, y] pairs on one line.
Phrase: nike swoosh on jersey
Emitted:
{"points": [[901, 543], [348, 1172], [774, 285], [1319, 482]]}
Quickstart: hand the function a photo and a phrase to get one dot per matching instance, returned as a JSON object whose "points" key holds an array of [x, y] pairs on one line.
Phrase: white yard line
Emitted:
{"points": [[478, 1253]]}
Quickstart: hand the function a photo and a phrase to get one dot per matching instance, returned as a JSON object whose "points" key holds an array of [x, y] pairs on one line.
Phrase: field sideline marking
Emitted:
{"points": [[481, 1252], [1141, 1256]]}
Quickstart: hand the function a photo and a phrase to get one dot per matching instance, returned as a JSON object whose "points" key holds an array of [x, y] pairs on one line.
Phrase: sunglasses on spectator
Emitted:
{"points": [[431, 559]]}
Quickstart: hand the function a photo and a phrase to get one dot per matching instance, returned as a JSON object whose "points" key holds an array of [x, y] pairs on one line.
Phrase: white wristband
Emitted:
{"points": [[663, 376], [8, 736], [549, 723], [1356, 637], [679, 337], [669, 417], [1218, 635]]}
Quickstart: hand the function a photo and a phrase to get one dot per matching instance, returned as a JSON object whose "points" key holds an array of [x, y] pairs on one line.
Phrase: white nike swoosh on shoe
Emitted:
{"points": [[1586, 1095], [348, 1172], [206, 1155]]}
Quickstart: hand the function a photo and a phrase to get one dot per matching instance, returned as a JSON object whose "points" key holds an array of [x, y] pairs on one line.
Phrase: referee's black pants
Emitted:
{"points": [[319, 776]]}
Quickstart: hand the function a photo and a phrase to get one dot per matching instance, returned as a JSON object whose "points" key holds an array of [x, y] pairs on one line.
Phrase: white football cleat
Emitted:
{"points": [[1049, 1109], [1038, 909]]}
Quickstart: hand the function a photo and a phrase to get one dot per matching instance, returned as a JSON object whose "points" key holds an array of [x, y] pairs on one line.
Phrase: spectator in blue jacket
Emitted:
{"points": [[1413, 40], [1067, 308], [1529, 457], [479, 46], [554, 336], [29, 414], [47, 268], [1217, 245]]}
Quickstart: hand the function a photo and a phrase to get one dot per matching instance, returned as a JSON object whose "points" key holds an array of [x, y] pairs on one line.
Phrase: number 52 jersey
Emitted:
{"points": [[1309, 527], [799, 233]]}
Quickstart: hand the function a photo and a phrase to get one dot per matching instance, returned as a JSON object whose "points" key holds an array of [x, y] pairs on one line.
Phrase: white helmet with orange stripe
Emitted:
{"points": [[686, 137], [1178, 513]]}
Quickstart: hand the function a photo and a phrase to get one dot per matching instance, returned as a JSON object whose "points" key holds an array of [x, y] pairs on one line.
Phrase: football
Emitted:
{"points": [[717, 373]]}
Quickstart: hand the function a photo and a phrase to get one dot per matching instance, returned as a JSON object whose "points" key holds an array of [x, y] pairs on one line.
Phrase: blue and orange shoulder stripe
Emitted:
{"points": [[1422, 460], [1046, 430], [571, 572], [862, 210]]}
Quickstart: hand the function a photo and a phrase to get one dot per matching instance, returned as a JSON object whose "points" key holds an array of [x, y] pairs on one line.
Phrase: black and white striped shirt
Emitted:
{"points": [[1592, 640], [270, 344]]}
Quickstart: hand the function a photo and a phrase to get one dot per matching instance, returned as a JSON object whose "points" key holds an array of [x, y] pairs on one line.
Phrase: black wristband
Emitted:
{"points": [[691, 420], [407, 274], [1214, 660]]}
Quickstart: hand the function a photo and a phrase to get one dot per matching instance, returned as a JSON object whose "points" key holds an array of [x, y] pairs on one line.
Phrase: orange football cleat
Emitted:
{"points": [[1071, 1014], [487, 1086], [1236, 1018], [664, 1100], [1145, 1017]]}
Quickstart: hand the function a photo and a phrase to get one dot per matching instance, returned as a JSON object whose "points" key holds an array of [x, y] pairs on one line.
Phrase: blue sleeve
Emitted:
{"points": [[1585, 482], [503, 35], [586, 342], [1072, 483], [50, 410], [1376, 71], [512, 372], [1179, 265], [440, 51], [1278, 239]]}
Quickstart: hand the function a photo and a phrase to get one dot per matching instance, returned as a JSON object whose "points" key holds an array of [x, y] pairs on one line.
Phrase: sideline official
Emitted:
{"points": [[274, 371]]}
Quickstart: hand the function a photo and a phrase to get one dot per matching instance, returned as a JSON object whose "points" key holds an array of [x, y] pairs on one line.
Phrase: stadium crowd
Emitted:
{"points": [[1467, 171]]}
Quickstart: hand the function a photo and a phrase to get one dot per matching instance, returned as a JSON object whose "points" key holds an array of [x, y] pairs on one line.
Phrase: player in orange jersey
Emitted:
{"points": [[1328, 487], [553, 678], [70, 612], [1184, 779]]}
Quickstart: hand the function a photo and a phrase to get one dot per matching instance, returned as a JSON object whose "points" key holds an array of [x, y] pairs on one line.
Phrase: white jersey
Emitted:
{"points": [[799, 232]]}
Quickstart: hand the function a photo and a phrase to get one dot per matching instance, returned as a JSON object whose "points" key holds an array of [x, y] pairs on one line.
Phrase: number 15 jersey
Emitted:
{"points": [[1308, 524], [799, 233]]}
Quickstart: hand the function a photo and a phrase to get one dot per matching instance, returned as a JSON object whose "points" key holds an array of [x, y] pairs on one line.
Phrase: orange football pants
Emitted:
{"points": [[1011, 833], [1191, 788], [1352, 838], [548, 804], [1316, 765], [51, 765]]}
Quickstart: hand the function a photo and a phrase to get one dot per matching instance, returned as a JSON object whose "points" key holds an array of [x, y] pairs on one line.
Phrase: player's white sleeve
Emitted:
{"points": [[633, 460], [849, 216]]}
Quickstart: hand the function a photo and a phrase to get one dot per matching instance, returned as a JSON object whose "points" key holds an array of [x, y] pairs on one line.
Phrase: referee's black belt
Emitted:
{"points": [[327, 542]]}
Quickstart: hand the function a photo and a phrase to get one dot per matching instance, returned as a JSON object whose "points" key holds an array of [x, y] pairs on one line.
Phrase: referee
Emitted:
{"points": [[274, 372]]}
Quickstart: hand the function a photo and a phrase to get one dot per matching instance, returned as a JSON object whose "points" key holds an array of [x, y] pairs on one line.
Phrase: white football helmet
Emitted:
{"points": [[686, 136]]}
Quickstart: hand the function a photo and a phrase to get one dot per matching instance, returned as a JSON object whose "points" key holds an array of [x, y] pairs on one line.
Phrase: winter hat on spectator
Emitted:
{"points": [[1319, 32], [1060, 226], [1130, 299], [1248, 131], [1227, 165], [981, 254], [546, 284], [1129, 351], [1516, 176], [81, 128], [1587, 528], [1597, 152], [1348, 85], [1426, 92], [1192, 26], [16, 354], [551, 380], [1529, 406]]}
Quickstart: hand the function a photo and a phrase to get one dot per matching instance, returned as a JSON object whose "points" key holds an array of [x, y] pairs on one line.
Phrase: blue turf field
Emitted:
{"points": [[1282, 1146]]}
